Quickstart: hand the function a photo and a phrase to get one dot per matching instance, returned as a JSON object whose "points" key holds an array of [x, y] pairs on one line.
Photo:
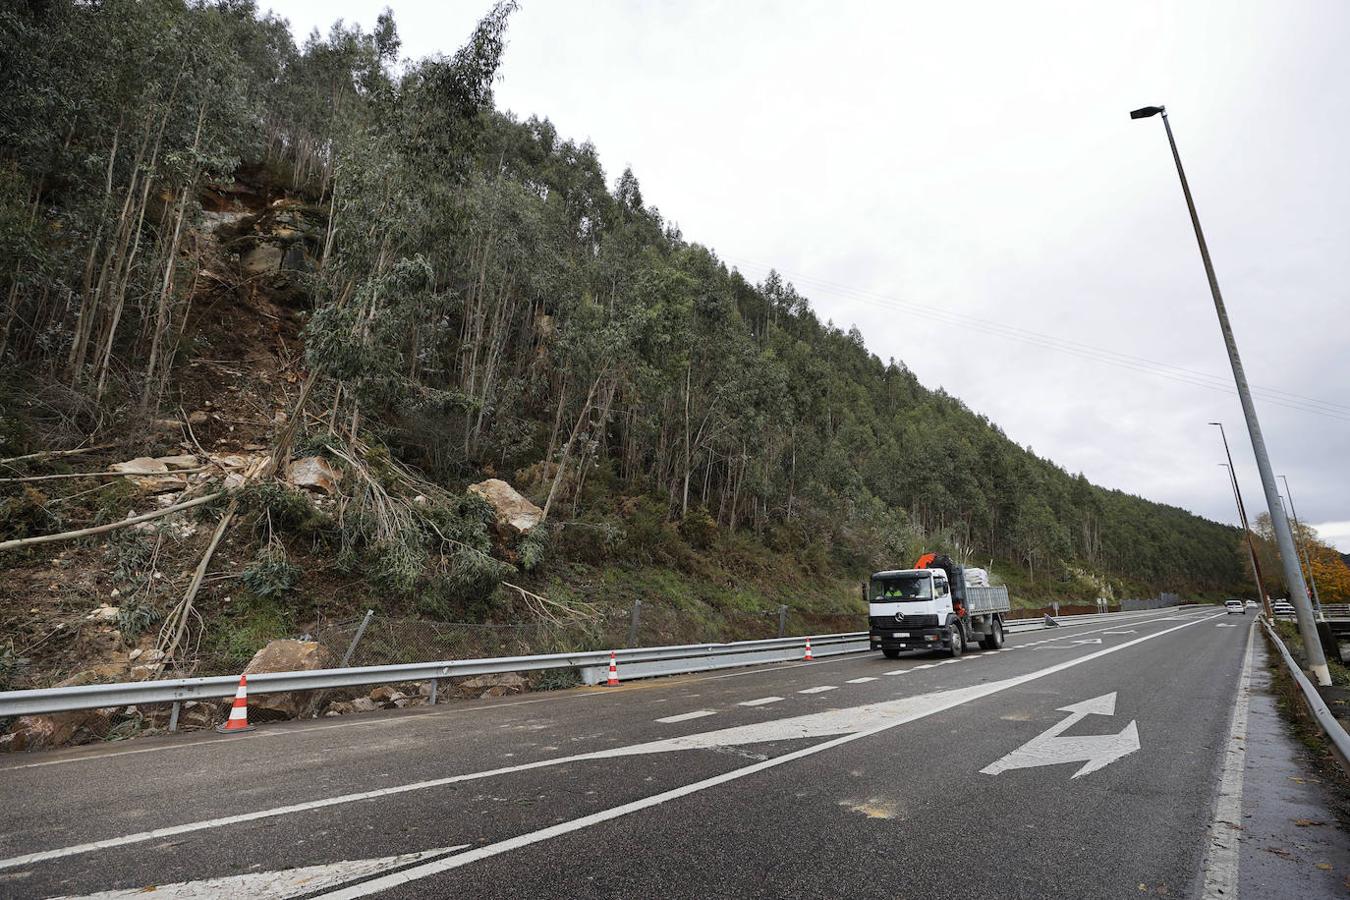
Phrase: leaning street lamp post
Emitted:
{"points": [[1293, 571], [1246, 526], [1251, 547]]}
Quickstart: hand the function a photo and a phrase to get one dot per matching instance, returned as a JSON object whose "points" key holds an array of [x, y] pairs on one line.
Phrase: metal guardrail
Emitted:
{"points": [[1336, 610], [635, 663], [1340, 741], [591, 665]]}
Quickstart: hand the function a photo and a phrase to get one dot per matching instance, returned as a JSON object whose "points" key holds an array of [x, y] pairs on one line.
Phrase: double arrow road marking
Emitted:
{"points": [[1051, 748]]}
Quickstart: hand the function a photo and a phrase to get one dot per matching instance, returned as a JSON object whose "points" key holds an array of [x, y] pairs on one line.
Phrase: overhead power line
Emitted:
{"points": [[1274, 396]]}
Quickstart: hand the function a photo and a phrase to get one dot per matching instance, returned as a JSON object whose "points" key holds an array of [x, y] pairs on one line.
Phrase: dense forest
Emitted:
{"points": [[477, 298]]}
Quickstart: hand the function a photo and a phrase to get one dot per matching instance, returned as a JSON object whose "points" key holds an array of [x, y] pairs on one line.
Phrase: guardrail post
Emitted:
{"points": [[356, 638], [173, 716], [634, 623], [782, 620], [435, 687]]}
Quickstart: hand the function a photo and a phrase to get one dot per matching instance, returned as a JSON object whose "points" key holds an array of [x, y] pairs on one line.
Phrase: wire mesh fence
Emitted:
{"points": [[384, 640]]}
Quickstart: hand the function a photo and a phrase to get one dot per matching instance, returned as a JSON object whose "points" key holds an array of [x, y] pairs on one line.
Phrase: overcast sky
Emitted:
{"points": [[962, 182]]}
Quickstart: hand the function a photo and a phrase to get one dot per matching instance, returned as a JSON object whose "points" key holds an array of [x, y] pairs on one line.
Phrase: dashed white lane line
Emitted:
{"points": [[818, 690], [926, 666], [760, 702], [685, 717], [863, 680], [896, 672]]}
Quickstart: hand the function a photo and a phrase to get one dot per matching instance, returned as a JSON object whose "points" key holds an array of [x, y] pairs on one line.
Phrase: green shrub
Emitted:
{"points": [[249, 625], [271, 574], [135, 616], [699, 528]]}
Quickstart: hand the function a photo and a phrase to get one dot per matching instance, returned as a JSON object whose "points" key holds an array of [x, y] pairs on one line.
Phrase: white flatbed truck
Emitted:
{"points": [[937, 606]]}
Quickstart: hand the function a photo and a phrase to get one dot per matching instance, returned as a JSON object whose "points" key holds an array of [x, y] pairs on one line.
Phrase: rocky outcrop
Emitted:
{"points": [[515, 514], [284, 656]]}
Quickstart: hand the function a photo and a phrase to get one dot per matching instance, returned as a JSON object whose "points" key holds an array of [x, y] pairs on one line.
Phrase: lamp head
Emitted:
{"points": [[1145, 112]]}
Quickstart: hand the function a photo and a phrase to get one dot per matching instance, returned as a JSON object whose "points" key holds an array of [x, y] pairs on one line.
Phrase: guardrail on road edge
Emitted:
{"points": [[640, 662], [637, 662], [1340, 741]]}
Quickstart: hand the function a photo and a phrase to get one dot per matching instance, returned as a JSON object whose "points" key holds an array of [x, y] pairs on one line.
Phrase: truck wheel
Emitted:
{"points": [[958, 641], [891, 654], [995, 639]]}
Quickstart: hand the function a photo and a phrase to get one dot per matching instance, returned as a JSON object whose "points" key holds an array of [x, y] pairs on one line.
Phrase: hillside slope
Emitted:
{"points": [[249, 258]]}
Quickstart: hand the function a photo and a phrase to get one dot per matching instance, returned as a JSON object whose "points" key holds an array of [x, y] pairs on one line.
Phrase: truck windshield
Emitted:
{"points": [[903, 587]]}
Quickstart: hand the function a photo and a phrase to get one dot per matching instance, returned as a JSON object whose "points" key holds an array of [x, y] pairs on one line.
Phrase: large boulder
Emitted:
{"points": [[78, 726], [514, 512], [314, 473], [284, 656]]}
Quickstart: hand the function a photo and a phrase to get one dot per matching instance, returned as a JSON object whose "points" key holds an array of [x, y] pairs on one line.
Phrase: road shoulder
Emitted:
{"points": [[1295, 843]]}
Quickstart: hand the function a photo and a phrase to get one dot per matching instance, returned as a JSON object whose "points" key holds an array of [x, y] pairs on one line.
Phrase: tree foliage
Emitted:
{"points": [[485, 299]]}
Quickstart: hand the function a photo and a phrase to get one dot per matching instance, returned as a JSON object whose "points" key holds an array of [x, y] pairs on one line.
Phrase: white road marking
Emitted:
{"points": [[1050, 748], [1221, 861], [896, 672], [685, 717], [278, 885], [1131, 631], [951, 699], [926, 666], [863, 680], [760, 702], [871, 719], [819, 689]]}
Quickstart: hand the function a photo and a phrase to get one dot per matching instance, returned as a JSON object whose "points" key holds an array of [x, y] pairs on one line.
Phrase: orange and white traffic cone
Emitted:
{"points": [[613, 671], [808, 656], [237, 723]]}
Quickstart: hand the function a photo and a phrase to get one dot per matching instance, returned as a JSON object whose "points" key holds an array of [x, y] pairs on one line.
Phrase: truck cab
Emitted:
{"points": [[935, 606], [910, 609]]}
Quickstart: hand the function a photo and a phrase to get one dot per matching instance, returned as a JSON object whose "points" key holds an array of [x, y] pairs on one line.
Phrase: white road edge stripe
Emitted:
{"points": [[685, 717], [427, 870], [203, 824], [1221, 861], [760, 702]]}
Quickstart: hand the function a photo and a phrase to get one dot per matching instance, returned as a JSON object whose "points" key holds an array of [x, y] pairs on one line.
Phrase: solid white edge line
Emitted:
{"points": [[439, 866], [203, 824], [1221, 860]]}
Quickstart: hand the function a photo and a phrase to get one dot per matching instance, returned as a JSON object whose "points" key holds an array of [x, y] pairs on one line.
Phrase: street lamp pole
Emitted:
{"points": [[1303, 545], [1251, 547], [1293, 572], [1242, 517]]}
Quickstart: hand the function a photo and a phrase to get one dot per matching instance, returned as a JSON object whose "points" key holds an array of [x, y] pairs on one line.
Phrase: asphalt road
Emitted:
{"points": [[1084, 762]]}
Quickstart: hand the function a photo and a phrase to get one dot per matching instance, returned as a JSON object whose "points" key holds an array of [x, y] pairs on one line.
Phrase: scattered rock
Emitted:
{"points": [[514, 511], [196, 715], [284, 656], [364, 704], [104, 613], [484, 686], [387, 696], [313, 472], [156, 479], [145, 673], [198, 417], [181, 461]]}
